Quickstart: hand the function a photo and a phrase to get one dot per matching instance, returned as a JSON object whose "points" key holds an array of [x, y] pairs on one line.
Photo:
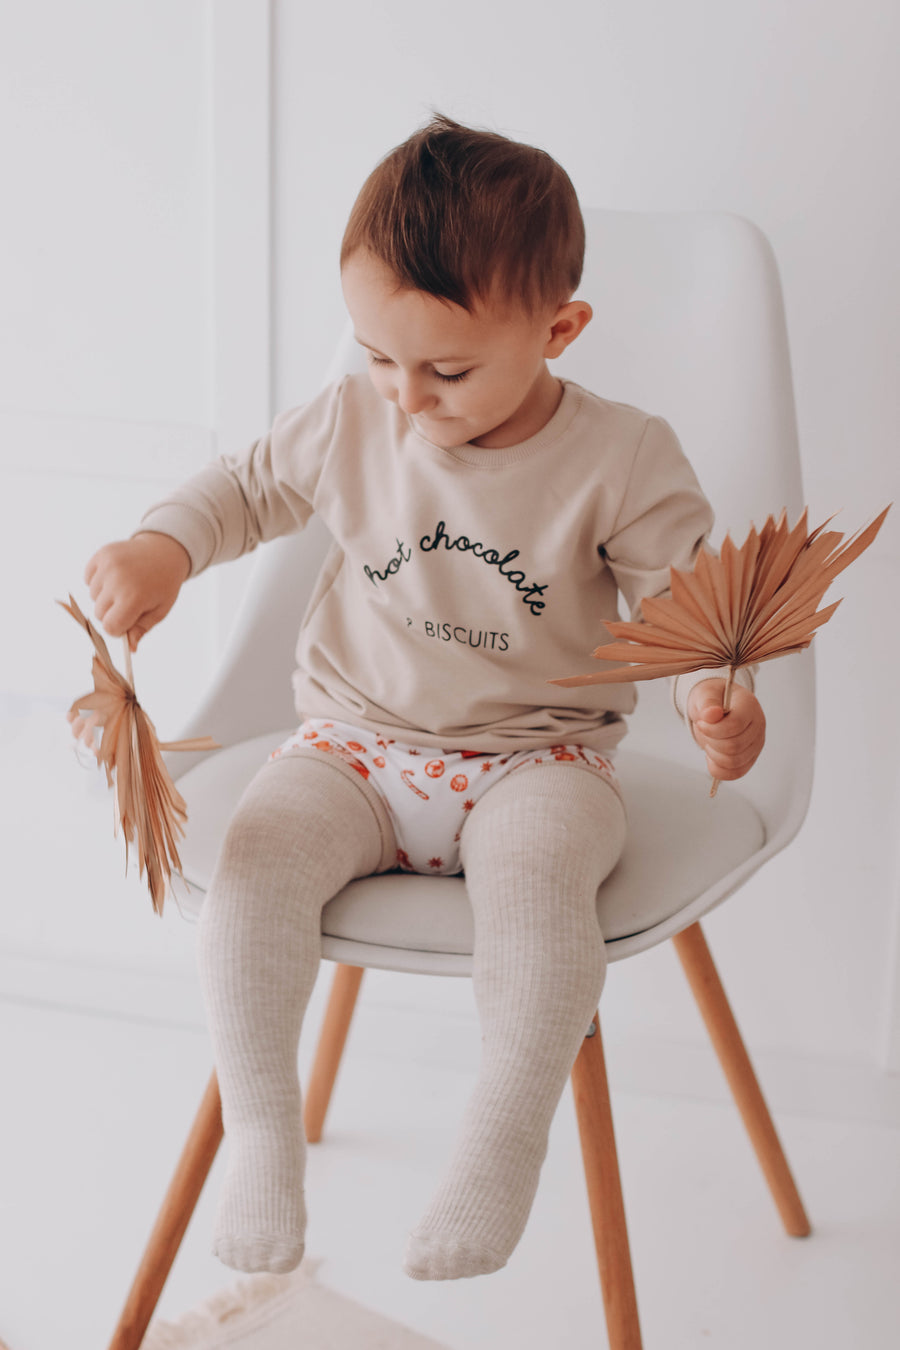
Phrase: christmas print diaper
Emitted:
{"points": [[429, 792]]}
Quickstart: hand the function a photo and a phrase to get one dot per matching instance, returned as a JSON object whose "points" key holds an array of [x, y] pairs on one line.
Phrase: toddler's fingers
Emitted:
{"points": [[729, 757], [76, 723], [96, 580], [725, 771], [84, 728], [720, 771], [730, 731], [724, 763], [118, 616], [732, 756], [711, 713]]}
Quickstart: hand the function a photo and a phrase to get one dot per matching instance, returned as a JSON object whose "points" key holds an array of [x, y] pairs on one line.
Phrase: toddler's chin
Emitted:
{"points": [[443, 432]]}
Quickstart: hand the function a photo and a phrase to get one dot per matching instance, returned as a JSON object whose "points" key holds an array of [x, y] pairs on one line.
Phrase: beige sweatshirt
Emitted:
{"points": [[459, 581]]}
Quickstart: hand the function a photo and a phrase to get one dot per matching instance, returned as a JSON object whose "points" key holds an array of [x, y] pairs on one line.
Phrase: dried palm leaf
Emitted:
{"points": [[746, 605], [149, 809]]}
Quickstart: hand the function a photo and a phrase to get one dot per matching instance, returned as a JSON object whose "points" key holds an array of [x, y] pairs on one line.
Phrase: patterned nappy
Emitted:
{"points": [[429, 792]]}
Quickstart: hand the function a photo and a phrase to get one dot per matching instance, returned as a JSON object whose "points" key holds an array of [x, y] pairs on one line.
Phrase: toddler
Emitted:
{"points": [[485, 516]]}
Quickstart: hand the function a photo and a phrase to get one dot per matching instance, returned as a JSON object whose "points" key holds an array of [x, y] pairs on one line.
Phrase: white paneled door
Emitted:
{"points": [[134, 345], [135, 323]]}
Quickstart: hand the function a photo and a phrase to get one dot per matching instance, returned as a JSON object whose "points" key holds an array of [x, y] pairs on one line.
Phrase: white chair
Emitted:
{"points": [[688, 323]]}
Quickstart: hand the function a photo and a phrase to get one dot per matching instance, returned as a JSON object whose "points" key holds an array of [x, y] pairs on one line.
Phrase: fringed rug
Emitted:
{"points": [[283, 1312]]}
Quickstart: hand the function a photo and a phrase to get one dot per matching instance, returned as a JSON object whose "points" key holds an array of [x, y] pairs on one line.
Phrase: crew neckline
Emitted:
{"points": [[485, 457]]}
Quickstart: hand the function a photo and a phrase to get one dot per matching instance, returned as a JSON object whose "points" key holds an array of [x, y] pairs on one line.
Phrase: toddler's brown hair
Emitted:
{"points": [[468, 215]]}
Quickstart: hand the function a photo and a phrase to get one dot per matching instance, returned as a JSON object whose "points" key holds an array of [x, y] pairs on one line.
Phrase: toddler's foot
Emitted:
{"points": [[436, 1256], [261, 1219], [253, 1253], [479, 1212]]}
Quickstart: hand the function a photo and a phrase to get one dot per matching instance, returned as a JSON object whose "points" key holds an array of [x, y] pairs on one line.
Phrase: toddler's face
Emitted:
{"points": [[461, 377]]}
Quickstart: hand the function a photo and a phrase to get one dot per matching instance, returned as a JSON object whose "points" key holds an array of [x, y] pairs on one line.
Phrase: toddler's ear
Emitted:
{"points": [[570, 320]]}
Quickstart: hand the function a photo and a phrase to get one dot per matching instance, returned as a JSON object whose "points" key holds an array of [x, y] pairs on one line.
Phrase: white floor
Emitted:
{"points": [[101, 1072]]}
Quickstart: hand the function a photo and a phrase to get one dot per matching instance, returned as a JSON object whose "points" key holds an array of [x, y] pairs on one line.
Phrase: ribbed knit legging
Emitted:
{"points": [[535, 849]]}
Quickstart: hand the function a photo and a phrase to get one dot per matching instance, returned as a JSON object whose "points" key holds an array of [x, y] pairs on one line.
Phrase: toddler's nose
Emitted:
{"points": [[413, 396]]}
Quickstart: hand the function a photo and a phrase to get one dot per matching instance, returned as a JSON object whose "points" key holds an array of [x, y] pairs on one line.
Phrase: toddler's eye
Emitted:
{"points": [[447, 379]]}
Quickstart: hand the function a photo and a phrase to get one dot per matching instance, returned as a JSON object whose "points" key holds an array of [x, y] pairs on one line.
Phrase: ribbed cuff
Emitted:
{"points": [[185, 525]]}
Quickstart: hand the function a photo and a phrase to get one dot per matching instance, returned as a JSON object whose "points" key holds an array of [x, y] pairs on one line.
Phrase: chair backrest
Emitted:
{"points": [[688, 323]]}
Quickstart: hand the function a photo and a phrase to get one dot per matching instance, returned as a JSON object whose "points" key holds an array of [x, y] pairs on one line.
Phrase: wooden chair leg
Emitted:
{"points": [[604, 1186], [703, 977], [174, 1216], [338, 1015]]}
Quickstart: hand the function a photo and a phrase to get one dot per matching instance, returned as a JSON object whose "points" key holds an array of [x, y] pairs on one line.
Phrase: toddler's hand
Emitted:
{"points": [[135, 582], [732, 741], [84, 728]]}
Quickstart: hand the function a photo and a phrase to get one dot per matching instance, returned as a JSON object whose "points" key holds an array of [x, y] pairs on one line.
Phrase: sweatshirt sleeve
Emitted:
{"points": [[239, 501], [663, 521]]}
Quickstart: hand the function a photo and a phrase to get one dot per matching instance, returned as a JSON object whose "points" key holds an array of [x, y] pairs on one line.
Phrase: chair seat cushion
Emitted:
{"points": [[657, 876]]}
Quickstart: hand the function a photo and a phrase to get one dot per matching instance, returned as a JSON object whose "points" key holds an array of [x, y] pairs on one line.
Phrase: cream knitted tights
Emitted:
{"points": [[302, 830], [535, 849]]}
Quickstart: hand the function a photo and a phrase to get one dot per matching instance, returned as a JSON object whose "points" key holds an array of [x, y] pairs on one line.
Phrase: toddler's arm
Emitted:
{"points": [[731, 741]]}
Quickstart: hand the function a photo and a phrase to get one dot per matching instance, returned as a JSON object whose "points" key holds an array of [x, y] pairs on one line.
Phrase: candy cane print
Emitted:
{"points": [[406, 775]]}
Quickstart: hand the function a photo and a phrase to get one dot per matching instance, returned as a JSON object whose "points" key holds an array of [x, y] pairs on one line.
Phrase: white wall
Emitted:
{"points": [[137, 157]]}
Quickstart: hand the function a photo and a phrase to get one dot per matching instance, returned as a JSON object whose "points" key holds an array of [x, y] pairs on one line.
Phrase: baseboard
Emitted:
{"points": [[410, 1018], [792, 1084], [102, 990]]}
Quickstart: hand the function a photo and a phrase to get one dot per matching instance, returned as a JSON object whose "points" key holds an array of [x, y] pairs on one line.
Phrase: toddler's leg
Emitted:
{"points": [[303, 829], [535, 850]]}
